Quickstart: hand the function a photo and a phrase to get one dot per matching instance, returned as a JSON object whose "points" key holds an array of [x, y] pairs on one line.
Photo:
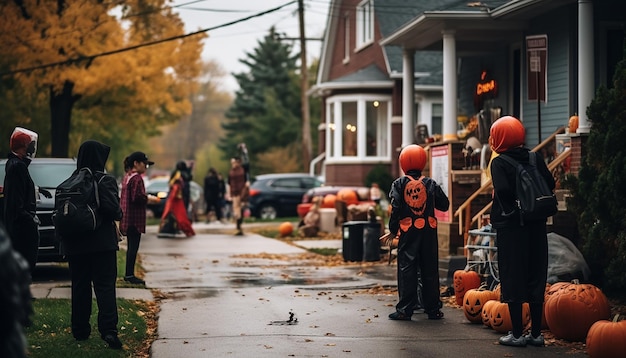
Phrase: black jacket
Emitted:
{"points": [[503, 176], [20, 204], [94, 155]]}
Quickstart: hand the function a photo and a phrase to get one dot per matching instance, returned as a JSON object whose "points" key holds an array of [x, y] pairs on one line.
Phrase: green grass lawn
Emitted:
{"points": [[50, 334]]}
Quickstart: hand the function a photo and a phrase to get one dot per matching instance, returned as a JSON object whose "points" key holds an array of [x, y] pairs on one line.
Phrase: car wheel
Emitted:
{"points": [[267, 212]]}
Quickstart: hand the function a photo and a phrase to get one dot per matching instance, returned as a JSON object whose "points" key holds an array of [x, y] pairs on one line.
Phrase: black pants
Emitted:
{"points": [[25, 240], [216, 205], [134, 237], [418, 257], [99, 269]]}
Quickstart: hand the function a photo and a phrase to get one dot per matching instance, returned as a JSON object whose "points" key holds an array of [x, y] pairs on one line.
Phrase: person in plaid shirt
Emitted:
{"points": [[133, 202]]}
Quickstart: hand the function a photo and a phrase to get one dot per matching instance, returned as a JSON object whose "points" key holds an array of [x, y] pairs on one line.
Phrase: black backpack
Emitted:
{"points": [[535, 200], [76, 204]]}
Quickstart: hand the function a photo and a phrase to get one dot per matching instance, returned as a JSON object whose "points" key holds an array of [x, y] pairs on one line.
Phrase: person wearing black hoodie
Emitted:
{"points": [[93, 259]]}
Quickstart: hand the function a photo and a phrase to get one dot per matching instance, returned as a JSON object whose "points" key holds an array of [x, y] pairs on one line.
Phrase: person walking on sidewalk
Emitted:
{"points": [[214, 190], [414, 199], [174, 216], [92, 256], [134, 201], [238, 183], [522, 248]]}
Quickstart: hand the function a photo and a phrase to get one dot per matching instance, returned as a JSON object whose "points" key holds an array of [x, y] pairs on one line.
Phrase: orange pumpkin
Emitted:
{"points": [[285, 229], [348, 196], [486, 312], [464, 281], [607, 339], [573, 123], [473, 302], [329, 201], [412, 157], [572, 308], [500, 318]]}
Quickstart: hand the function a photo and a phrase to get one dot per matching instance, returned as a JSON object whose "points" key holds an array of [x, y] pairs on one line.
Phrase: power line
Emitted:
{"points": [[146, 44]]}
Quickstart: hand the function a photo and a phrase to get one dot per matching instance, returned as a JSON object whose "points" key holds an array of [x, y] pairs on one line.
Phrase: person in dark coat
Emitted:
{"points": [[20, 202], [214, 190], [92, 257], [522, 248], [414, 199], [16, 305], [185, 173]]}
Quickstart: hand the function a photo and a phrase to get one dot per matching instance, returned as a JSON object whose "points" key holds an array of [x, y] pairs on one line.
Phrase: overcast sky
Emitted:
{"points": [[226, 45]]}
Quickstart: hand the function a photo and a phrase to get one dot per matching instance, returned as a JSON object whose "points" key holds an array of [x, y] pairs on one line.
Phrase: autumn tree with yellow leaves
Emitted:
{"points": [[108, 69]]}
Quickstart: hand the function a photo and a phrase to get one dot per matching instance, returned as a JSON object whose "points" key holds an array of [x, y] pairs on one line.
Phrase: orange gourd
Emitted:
{"points": [[348, 196], [573, 123], [607, 339], [285, 229], [329, 201], [572, 308], [464, 281], [473, 302]]}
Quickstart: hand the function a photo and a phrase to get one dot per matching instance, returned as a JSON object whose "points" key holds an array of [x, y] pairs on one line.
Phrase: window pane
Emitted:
{"points": [[376, 137], [330, 138], [437, 119], [349, 130]]}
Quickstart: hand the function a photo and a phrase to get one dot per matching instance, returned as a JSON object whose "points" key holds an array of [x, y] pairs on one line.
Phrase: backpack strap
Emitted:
{"points": [[95, 185]]}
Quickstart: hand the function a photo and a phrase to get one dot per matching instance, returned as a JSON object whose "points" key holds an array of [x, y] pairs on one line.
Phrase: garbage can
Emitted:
{"points": [[352, 233], [371, 244]]}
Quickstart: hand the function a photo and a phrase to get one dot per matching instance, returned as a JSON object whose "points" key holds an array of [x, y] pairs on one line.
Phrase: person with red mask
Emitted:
{"points": [[20, 201], [522, 245]]}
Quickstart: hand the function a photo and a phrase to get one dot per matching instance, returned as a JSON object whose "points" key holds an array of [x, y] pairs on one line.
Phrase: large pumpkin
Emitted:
{"points": [[607, 339], [412, 157], [464, 281], [473, 302], [500, 318], [348, 196], [572, 308], [285, 229]]}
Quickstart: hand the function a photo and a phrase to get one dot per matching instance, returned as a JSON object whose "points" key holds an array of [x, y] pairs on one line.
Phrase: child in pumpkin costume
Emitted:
{"points": [[414, 199]]}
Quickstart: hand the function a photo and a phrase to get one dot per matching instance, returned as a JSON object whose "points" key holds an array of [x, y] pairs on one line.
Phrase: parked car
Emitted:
{"points": [[278, 195], [160, 188], [47, 174], [362, 193]]}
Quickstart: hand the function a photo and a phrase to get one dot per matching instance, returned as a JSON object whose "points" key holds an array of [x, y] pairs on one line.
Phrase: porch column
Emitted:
{"points": [[449, 86], [408, 96], [586, 86]]}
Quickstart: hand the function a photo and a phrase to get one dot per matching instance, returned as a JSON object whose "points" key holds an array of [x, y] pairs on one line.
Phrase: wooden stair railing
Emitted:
{"points": [[464, 210]]}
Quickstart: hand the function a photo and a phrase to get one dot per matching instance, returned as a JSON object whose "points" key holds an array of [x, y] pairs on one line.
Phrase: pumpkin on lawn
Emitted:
{"points": [[607, 339], [474, 301], [463, 281], [285, 229], [572, 308]]}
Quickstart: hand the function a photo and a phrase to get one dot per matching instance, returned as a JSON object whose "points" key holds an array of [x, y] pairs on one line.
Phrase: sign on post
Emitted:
{"points": [[536, 69]]}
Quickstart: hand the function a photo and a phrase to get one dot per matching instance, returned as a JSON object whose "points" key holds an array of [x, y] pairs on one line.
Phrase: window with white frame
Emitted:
{"points": [[358, 127], [364, 23]]}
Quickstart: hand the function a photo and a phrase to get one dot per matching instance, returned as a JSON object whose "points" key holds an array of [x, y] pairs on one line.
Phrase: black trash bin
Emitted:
{"points": [[371, 244], [352, 247]]}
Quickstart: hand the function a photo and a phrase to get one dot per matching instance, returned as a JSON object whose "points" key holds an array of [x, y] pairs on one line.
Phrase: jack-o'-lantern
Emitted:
{"points": [[464, 281], [473, 302], [412, 157], [500, 318], [415, 196], [589, 303], [506, 133], [486, 312]]}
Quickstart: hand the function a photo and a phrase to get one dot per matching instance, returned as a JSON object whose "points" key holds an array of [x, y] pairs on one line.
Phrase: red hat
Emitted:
{"points": [[506, 133], [19, 140]]}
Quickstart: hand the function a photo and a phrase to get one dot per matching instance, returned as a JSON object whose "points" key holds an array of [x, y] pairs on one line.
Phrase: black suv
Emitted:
{"points": [[275, 195], [47, 174]]}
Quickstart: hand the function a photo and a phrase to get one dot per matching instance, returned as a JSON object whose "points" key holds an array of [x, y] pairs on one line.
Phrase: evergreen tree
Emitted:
{"points": [[600, 189], [266, 110]]}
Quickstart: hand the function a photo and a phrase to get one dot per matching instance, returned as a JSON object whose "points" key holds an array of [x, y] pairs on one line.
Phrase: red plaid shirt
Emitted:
{"points": [[133, 202]]}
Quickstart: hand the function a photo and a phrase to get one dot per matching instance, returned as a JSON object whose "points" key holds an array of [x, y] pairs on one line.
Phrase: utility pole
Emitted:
{"points": [[304, 86]]}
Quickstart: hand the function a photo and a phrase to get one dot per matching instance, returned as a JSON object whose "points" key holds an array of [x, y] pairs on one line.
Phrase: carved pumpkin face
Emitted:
{"points": [[486, 312], [500, 317], [473, 303], [464, 281], [415, 196]]}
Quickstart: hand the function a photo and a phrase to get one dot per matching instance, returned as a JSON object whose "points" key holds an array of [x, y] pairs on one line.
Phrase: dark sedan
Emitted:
{"points": [[278, 195]]}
